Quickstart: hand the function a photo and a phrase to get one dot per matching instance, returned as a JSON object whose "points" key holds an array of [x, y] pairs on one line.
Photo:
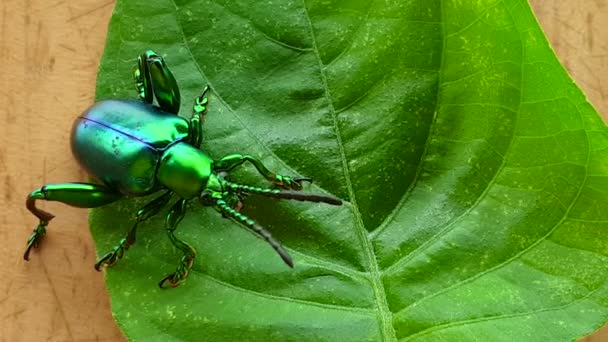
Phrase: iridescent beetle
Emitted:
{"points": [[136, 148]]}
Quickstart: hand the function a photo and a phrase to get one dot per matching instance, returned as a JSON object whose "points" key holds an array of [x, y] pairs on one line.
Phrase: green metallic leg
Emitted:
{"points": [[154, 80], [231, 161], [81, 195], [234, 200], [143, 214], [176, 214], [196, 121]]}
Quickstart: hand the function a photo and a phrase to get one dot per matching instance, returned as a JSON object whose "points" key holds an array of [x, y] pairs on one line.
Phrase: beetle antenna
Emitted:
{"points": [[283, 194], [225, 209]]}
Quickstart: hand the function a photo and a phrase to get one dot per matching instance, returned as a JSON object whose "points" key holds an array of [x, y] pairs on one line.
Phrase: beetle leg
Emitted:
{"points": [[143, 214], [196, 121], [234, 199], [176, 214], [229, 162], [81, 195], [142, 80], [154, 80]]}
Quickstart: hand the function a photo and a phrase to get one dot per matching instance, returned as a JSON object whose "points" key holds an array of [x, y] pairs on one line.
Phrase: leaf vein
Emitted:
{"points": [[384, 315], [514, 257], [451, 223], [282, 298], [497, 317], [260, 31]]}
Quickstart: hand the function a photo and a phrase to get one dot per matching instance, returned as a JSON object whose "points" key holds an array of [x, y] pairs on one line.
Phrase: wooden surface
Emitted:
{"points": [[50, 51]]}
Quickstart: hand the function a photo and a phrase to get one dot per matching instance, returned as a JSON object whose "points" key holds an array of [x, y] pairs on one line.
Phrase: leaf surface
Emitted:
{"points": [[473, 170]]}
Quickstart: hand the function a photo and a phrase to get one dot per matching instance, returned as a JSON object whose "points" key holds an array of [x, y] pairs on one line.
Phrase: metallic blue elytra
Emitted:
{"points": [[124, 151]]}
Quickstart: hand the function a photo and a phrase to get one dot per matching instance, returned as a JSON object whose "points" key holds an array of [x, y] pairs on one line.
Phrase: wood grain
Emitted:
{"points": [[578, 32], [50, 51]]}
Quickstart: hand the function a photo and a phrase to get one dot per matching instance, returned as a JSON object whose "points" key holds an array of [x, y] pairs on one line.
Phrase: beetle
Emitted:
{"points": [[137, 148]]}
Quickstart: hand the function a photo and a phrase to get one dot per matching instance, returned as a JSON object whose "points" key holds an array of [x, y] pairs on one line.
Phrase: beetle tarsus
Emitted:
{"points": [[34, 240], [104, 261], [199, 109], [175, 215], [143, 214], [181, 273], [111, 258], [168, 280]]}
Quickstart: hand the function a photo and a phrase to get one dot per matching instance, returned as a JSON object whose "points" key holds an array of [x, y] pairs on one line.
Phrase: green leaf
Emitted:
{"points": [[474, 173]]}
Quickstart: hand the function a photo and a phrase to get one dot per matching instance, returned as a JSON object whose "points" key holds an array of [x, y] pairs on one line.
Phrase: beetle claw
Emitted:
{"points": [[30, 245], [106, 261], [181, 273], [111, 258], [169, 280]]}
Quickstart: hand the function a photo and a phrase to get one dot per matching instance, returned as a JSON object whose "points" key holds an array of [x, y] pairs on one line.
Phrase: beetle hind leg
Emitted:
{"points": [[154, 80], [81, 195], [149, 210]]}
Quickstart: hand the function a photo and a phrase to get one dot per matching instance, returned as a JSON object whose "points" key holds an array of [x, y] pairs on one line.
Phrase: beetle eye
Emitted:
{"points": [[206, 199]]}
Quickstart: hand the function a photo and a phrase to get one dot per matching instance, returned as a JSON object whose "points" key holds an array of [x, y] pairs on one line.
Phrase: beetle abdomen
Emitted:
{"points": [[120, 143]]}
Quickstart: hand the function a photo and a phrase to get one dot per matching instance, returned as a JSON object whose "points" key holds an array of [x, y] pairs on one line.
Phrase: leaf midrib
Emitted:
{"points": [[384, 314]]}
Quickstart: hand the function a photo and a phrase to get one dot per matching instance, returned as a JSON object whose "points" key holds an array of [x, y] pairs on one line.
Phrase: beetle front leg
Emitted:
{"points": [[143, 214], [176, 214], [231, 161], [199, 110], [81, 195]]}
